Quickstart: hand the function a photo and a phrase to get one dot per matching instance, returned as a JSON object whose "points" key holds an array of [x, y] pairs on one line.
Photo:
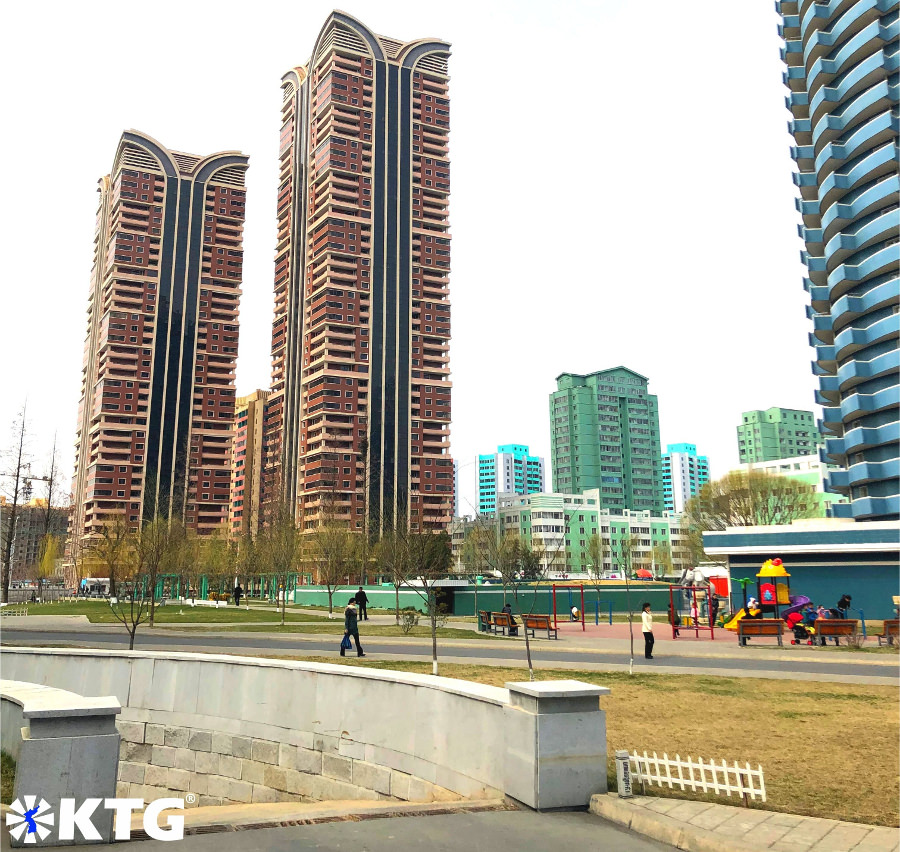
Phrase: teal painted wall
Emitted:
{"points": [[379, 596], [872, 588], [491, 598]]}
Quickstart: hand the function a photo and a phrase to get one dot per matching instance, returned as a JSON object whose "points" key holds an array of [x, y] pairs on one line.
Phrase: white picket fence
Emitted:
{"points": [[707, 776]]}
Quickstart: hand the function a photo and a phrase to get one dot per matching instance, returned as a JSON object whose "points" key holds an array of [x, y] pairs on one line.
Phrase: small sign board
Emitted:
{"points": [[623, 775]]}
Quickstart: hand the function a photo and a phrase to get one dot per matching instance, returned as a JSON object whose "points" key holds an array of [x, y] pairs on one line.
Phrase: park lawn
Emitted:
{"points": [[99, 612], [827, 749], [7, 777], [336, 626]]}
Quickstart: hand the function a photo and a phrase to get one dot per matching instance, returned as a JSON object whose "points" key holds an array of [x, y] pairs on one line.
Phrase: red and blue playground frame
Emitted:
{"points": [[695, 607], [579, 588]]}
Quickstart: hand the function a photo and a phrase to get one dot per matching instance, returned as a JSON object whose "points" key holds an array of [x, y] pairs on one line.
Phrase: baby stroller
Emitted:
{"points": [[802, 634]]}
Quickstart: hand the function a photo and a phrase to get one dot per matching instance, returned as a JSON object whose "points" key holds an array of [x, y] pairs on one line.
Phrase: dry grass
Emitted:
{"points": [[827, 750]]}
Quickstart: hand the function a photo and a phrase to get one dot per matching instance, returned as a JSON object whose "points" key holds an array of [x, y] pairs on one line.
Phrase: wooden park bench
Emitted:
{"points": [[501, 621], [760, 627], [484, 621], [539, 622], [835, 627], [888, 634]]}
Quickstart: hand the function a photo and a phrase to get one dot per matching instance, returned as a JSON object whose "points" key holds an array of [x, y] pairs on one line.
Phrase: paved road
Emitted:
{"points": [[474, 832], [255, 643]]}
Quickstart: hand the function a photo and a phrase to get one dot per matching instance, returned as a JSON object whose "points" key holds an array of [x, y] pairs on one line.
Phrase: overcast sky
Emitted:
{"points": [[621, 194]]}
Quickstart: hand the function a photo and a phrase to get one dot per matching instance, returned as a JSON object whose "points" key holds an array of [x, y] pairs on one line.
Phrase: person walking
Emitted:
{"points": [[647, 627], [238, 594], [843, 605], [351, 627], [362, 601]]}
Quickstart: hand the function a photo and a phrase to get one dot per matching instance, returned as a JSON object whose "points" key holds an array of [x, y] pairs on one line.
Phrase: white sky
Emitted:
{"points": [[621, 195]]}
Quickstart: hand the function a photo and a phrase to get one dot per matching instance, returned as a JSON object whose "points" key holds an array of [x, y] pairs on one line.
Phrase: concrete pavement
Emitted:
{"points": [[705, 826], [570, 652], [453, 832]]}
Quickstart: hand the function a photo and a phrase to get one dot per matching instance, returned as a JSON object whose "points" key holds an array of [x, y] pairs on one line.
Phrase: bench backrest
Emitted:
{"points": [[836, 626], [761, 626], [541, 622], [501, 619], [891, 626], [485, 616]]}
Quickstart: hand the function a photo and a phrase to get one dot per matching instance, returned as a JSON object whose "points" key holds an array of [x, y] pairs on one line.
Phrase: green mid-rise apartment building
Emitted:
{"points": [[777, 433], [560, 527], [604, 430]]}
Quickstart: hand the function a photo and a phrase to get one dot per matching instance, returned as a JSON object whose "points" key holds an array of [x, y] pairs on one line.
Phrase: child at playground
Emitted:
{"points": [[575, 614]]}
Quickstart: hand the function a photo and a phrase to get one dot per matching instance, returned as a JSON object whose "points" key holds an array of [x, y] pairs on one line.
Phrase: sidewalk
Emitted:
{"points": [[708, 827]]}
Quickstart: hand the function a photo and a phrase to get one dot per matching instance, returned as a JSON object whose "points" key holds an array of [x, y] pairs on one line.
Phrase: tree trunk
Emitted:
{"points": [[330, 604], [152, 597], [434, 661], [397, 603], [630, 622], [283, 601], [527, 643], [131, 635]]}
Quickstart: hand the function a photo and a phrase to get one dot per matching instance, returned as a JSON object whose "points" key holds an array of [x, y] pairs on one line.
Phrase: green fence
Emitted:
{"points": [[537, 599]]}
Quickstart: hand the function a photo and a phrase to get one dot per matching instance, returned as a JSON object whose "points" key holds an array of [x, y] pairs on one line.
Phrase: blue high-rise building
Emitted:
{"points": [[511, 470], [842, 71]]}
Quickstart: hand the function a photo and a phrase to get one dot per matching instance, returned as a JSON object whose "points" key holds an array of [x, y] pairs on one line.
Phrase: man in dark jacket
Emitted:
{"points": [[238, 594], [350, 626], [362, 601]]}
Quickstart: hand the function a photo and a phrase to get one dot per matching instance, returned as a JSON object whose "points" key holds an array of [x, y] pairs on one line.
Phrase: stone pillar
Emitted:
{"points": [[69, 750], [555, 743]]}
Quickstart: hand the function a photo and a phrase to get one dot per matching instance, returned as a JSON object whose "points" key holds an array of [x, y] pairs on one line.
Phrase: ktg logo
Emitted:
{"points": [[31, 820]]}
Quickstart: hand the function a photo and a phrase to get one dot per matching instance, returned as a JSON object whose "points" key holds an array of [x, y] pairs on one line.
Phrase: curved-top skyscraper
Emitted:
{"points": [[157, 394], [357, 425], [843, 58]]}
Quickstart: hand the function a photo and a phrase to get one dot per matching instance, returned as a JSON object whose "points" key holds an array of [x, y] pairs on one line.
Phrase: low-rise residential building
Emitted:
{"points": [[561, 526]]}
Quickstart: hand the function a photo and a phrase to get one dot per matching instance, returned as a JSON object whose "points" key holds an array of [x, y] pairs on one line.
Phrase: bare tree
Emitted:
{"points": [[751, 498], [627, 549], [333, 549], [133, 602], [279, 544], [109, 547], [17, 463], [393, 558], [153, 551], [430, 557]]}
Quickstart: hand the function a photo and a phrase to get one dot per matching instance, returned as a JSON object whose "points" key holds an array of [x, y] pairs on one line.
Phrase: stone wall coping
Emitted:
{"points": [[558, 689], [46, 702], [479, 692]]}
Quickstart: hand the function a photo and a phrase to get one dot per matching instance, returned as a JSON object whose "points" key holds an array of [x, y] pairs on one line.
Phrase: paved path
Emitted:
{"points": [[460, 832], [702, 826], [730, 660]]}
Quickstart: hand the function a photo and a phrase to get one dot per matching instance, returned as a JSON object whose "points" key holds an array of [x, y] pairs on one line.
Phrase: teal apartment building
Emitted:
{"points": [[511, 470], [684, 473], [776, 433], [604, 430]]}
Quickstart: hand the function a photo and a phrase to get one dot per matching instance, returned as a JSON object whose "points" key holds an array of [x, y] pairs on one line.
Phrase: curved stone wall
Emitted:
{"points": [[241, 729]]}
